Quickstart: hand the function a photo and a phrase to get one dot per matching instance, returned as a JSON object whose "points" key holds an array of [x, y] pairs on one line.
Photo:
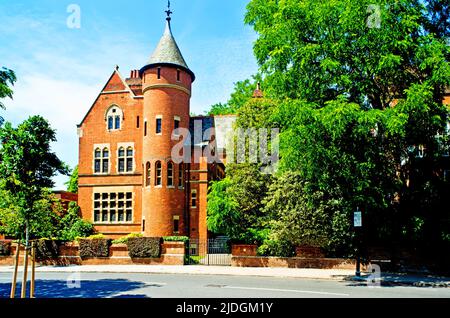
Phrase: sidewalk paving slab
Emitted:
{"points": [[198, 270], [386, 279]]}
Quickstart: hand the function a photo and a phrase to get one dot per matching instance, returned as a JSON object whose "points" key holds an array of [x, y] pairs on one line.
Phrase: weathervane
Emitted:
{"points": [[168, 11]]}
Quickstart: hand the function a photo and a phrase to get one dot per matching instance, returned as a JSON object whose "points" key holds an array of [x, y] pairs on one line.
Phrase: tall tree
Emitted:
{"points": [[235, 204], [7, 79], [72, 184], [362, 84], [27, 165], [370, 51]]}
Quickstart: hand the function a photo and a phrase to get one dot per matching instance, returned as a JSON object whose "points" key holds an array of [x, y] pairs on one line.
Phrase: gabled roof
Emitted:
{"points": [[115, 83], [168, 53]]}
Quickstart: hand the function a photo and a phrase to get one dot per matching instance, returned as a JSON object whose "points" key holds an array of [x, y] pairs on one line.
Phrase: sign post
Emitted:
{"points": [[357, 224]]}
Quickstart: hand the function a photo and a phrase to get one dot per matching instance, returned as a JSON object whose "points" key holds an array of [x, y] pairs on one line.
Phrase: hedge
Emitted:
{"points": [[184, 239], [124, 239], [144, 247], [47, 249], [5, 248], [90, 248], [281, 248]]}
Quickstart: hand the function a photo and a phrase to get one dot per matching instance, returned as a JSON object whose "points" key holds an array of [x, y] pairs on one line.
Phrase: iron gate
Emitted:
{"points": [[208, 252]]}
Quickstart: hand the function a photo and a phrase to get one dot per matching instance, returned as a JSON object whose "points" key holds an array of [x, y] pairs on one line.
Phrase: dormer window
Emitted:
{"points": [[114, 117]]}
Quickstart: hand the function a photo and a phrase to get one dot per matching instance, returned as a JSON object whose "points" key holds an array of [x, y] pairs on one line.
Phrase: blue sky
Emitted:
{"points": [[61, 70]]}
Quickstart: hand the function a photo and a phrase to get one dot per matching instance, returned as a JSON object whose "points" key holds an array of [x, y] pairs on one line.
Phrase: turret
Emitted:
{"points": [[166, 86]]}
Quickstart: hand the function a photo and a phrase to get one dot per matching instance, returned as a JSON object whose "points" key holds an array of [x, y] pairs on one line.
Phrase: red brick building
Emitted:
{"points": [[128, 178]]}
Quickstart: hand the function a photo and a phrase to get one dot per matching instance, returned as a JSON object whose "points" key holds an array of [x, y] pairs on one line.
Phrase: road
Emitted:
{"points": [[137, 285]]}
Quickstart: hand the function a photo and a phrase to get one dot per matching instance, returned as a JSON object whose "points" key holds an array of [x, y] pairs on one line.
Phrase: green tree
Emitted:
{"points": [[48, 220], [223, 211], [338, 69], [27, 166], [7, 79], [72, 184], [73, 226], [369, 51], [43, 222], [299, 216], [243, 92], [235, 206]]}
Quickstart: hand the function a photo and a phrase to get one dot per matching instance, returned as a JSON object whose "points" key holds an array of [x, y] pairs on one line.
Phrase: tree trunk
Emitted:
{"points": [[25, 259]]}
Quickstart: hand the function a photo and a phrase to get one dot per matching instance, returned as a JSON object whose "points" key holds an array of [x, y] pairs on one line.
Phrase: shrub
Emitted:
{"points": [[5, 248], [184, 239], [144, 247], [91, 237], [47, 249], [96, 236], [73, 226], [81, 228], [124, 239], [94, 247], [276, 248]]}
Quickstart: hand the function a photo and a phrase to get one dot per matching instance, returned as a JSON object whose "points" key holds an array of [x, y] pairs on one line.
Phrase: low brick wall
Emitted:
{"points": [[172, 253], [244, 250], [293, 262]]}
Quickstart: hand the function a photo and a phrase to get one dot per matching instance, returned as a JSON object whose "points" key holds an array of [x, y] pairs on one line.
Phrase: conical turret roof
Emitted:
{"points": [[168, 53]]}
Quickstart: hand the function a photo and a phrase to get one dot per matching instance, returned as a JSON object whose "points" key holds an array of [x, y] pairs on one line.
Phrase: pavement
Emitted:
{"points": [[385, 279], [247, 288]]}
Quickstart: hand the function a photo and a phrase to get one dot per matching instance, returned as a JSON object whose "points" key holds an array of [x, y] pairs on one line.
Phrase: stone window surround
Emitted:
{"points": [[108, 113], [126, 145], [101, 147], [116, 190]]}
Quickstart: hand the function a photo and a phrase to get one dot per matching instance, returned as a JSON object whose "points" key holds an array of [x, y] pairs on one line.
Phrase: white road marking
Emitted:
{"points": [[153, 283], [288, 290]]}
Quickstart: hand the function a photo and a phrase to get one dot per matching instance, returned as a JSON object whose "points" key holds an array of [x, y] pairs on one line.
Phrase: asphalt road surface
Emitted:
{"points": [[125, 285]]}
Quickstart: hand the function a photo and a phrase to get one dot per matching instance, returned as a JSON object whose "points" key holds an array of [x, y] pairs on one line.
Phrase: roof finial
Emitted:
{"points": [[168, 11]]}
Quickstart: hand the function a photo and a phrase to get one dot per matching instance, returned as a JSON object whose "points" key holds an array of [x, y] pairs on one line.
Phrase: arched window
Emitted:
{"points": [[114, 118], [105, 160], [180, 175], [170, 174], [97, 160], [148, 171], [129, 159], [125, 159], [158, 173], [110, 123], [121, 156]]}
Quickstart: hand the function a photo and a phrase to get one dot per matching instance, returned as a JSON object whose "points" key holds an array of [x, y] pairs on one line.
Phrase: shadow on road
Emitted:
{"points": [[400, 280], [87, 289]]}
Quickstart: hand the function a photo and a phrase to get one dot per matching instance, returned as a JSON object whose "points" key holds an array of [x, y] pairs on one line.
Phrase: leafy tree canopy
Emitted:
{"points": [[7, 79], [369, 51], [27, 163], [72, 184]]}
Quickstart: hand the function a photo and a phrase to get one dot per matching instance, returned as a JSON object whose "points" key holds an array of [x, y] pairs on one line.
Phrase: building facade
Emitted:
{"points": [[129, 179]]}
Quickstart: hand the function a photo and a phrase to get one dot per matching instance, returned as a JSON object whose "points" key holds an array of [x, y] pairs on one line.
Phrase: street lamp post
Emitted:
{"points": [[357, 224]]}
